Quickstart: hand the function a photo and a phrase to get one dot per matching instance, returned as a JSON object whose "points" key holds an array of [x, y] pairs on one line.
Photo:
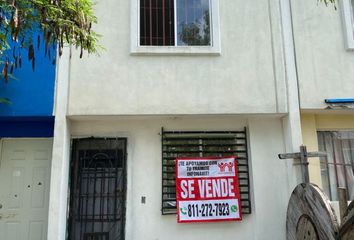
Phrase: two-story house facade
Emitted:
{"points": [[176, 79]]}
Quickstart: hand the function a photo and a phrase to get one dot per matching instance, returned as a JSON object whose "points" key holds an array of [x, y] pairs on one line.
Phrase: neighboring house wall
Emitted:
{"points": [[311, 124], [329, 177], [26, 131], [324, 55], [31, 92], [325, 65], [247, 77]]}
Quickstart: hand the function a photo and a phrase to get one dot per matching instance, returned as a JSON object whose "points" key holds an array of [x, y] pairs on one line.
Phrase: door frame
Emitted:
{"points": [[125, 177]]}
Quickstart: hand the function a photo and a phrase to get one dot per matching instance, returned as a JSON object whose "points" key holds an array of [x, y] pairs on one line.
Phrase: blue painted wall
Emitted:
{"points": [[32, 92], [29, 127]]}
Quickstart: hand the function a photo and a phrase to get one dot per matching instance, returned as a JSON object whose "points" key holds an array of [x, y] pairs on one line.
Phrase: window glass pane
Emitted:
{"points": [[144, 22], [337, 170], [193, 22], [351, 145], [156, 22], [324, 166]]}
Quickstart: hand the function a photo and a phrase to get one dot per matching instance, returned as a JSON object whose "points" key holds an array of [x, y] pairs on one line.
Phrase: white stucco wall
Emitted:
{"points": [[269, 180], [325, 66], [58, 196], [247, 77]]}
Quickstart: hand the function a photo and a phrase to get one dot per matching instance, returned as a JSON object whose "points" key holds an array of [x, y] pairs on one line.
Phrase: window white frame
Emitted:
{"points": [[213, 49], [348, 22]]}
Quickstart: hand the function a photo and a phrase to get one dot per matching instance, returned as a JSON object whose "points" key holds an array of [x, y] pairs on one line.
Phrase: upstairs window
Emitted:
{"points": [[175, 23], [348, 20], [175, 27]]}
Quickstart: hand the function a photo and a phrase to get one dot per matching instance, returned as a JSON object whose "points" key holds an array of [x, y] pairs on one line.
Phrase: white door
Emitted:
{"points": [[24, 188]]}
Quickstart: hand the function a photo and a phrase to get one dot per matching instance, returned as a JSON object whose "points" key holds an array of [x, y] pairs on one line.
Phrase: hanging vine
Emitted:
{"points": [[61, 22], [327, 2]]}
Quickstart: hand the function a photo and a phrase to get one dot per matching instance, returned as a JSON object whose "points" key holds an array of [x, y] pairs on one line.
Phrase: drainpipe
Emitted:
{"points": [[292, 121]]}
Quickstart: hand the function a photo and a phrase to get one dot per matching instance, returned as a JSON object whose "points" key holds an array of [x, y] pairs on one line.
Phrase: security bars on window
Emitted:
{"points": [[175, 23], [203, 144]]}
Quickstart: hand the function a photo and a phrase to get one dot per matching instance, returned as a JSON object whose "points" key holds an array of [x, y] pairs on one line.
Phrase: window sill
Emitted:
{"points": [[350, 44], [175, 51]]}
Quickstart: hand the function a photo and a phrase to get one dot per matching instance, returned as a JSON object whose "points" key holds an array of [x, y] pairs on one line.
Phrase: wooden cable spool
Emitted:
{"points": [[346, 231], [310, 215]]}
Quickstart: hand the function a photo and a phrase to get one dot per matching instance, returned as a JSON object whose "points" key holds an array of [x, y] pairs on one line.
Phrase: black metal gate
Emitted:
{"points": [[98, 189]]}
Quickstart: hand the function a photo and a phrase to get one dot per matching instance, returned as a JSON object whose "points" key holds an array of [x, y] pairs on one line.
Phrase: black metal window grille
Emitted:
{"points": [[203, 144], [98, 189], [157, 22]]}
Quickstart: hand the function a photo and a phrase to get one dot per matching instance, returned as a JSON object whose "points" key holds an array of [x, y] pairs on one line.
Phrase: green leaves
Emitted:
{"points": [[5, 101], [62, 22]]}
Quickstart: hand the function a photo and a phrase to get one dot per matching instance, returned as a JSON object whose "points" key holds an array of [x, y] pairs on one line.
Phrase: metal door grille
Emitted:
{"points": [[96, 236], [203, 144], [98, 189]]}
